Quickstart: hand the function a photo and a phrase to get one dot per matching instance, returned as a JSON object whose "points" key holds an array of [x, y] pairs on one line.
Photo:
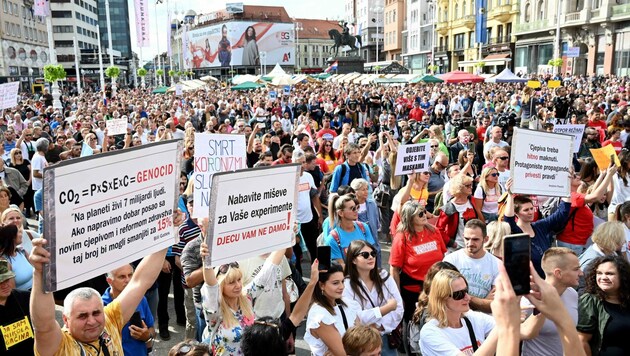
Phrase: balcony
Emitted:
{"points": [[577, 16], [503, 13], [620, 11], [440, 49], [500, 40], [532, 26], [442, 27], [467, 21]]}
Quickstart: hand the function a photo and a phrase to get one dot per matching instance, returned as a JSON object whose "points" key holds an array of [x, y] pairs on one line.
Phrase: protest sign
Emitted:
{"points": [[286, 90], [413, 158], [252, 212], [602, 156], [179, 89], [9, 94], [554, 84], [576, 131], [214, 153], [534, 84], [273, 95], [116, 127], [109, 209], [540, 163]]}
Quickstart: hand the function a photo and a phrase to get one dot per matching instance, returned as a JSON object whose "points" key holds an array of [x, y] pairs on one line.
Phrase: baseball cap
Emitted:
{"points": [[5, 271]]}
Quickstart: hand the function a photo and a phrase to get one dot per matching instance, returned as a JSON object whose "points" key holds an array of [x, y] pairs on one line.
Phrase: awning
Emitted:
{"points": [[497, 56], [487, 61]]}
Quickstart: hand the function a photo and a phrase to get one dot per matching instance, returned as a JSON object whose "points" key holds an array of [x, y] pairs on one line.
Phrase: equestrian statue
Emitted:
{"points": [[343, 39]]}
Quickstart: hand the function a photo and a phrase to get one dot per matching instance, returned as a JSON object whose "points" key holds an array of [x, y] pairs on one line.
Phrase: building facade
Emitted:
{"points": [[393, 26], [119, 19], [600, 30], [366, 17], [418, 35], [313, 49], [24, 43]]}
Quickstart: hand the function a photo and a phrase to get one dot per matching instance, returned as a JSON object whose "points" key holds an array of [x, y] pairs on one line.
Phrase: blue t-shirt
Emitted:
{"points": [[23, 270], [130, 345], [345, 238]]}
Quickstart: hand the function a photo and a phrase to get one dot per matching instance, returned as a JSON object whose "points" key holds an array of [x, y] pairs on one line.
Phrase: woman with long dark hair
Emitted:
{"points": [[327, 154], [250, 48], [11, 250], [372, 287]]}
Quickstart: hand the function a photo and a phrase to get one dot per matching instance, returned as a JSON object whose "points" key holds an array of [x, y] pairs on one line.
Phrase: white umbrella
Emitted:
{"points": [[245, 78], [283, 80], [209, 78]]}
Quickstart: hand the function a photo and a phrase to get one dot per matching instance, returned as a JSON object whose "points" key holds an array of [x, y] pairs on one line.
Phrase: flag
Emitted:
{"points": [[41, 8], [142, 22], [186, 47], [332, 67], [481, 21], [169, 51], [86, 150]]}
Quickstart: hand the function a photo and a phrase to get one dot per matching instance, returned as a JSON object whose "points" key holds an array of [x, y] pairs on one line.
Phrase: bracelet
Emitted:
{"points": [[151, 338]]}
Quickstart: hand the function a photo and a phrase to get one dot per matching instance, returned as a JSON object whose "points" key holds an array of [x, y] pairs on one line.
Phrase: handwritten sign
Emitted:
{"points": [[16, 332], [214, 153], [602, 156], [540, 163], [9, 94], [576, 131], [116, 126], [413, 158], [109, 209], [179, 90], [252, 212]]}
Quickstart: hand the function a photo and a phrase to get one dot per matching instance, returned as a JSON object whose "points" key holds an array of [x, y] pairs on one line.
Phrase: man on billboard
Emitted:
{"points": [[225, 48]]}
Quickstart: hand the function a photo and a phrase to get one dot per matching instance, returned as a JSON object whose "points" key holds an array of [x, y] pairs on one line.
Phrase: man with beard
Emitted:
{"points": [[592, 141]]}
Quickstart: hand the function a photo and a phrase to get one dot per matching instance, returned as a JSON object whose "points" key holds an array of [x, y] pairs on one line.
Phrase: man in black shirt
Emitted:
{"points": [[352, 105], [254, 147], [15, 319]]}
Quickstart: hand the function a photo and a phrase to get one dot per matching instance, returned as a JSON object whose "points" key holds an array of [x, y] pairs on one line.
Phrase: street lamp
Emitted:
{"points": [[297, 28], [111, 48], [377, 10], [53, 60], [30, 79]]}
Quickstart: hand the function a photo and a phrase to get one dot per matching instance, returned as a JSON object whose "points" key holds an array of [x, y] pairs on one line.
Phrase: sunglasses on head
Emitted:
{"points": [[223, 269], [460, 294], [366, 254]]}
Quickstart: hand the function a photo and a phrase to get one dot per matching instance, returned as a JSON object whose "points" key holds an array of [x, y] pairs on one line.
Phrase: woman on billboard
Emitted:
{"points": [[250, 48], [225, 48]]}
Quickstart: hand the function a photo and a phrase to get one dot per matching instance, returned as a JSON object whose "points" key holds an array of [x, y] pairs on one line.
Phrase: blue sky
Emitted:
{"points": [[313, 9]]}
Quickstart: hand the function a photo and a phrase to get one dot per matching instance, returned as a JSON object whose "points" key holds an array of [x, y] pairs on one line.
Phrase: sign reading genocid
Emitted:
{"points": [[106, 210], [540, 163], [214, 153], [252, 212]]}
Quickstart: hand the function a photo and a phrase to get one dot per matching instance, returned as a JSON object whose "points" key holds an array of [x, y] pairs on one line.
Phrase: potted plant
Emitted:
{"points": [[53, 73], [112, 72], [377, 68], [142, 73], [433, 68]]}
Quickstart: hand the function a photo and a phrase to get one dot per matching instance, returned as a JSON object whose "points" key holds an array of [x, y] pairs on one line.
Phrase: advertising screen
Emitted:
{"points": [[241, 44]]}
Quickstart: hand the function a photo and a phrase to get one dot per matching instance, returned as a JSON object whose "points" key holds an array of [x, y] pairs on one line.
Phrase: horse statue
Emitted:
{"points": [[343, 40]]}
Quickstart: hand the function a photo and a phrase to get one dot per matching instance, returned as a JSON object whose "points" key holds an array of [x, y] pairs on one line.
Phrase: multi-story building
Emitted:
{"points": [[119, 19], [600, 30], [366, 18], [314, 46], [24, 49], [456, 45], [418, 35], [393, 26]]}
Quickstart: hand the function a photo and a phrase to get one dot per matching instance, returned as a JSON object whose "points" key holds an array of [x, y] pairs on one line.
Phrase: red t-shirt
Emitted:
{"points": [[600, 124], [416, 114], [580, 227], [418, 255]]}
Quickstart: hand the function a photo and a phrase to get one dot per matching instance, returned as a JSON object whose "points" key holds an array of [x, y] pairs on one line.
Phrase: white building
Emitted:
{"points": [[367, 17], [417, 36], [24, 49]]}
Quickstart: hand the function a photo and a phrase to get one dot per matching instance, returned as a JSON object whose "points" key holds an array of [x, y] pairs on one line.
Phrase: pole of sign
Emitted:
{"points": [[76, 65]]}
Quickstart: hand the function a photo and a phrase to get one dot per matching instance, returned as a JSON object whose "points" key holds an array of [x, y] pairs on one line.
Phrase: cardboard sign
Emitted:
{"points": [[109, 209], [413, 158], [9, 95], [554, 84], [214, 153], [602, 156], [252, 212], [540, 163], [116, 126], [534, 84], [576, 131]]}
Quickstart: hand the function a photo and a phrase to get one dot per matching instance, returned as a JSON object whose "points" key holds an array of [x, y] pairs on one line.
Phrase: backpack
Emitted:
{"points": [[551, 206], [335, 234], [413, 333], [342, 174]]}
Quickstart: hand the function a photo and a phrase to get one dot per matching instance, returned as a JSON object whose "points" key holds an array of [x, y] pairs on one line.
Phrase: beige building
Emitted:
{"points": [[314, 44], [393, 26]]}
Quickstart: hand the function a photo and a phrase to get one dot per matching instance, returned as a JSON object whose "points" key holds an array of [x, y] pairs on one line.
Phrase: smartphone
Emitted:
{"points": [[136, 319], [323, 256], [516, 257], [261, 125]]}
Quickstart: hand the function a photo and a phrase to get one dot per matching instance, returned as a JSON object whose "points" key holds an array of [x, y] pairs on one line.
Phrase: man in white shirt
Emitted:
{"points": [[345, 133], [562, 271], [501, 160], [478, 266], [496, 135]]}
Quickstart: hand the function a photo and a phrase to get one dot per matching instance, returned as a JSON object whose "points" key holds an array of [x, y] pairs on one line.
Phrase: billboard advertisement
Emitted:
{"points": [[240, 44]]}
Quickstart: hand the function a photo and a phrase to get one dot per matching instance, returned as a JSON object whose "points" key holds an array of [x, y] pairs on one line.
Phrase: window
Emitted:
{"points": [[62, 14], [459, 41], [456, 11], [528, 9], [5, 6], [541, 10], [464, 8]]}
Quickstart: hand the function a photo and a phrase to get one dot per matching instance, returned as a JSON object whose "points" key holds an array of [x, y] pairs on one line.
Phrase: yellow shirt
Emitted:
{"points": [[420, 195], [113, 329]]}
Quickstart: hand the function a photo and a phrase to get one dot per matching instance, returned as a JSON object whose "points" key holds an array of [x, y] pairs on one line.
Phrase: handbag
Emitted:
{"points": [[395, 337]]}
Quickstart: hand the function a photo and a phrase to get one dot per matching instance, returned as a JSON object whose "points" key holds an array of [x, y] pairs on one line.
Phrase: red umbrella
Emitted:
{"points": [[457, 76]]}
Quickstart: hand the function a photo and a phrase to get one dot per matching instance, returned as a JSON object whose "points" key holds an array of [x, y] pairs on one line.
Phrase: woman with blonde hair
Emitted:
{"points": [[608, 239], [488, 193], [497, 230], [23, 165], [457, 211], [227, 303], [13, 216], [451, 323]]}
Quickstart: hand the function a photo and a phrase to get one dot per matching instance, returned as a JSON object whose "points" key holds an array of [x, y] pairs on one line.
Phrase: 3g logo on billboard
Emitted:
{"points": [[285, 35]]}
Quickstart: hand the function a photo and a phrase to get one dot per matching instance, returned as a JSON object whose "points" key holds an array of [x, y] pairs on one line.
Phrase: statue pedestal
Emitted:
{"points": [[345, 65]]}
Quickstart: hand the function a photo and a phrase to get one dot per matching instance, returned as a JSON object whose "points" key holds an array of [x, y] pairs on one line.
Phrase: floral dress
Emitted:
{"points": [[224, 340]]}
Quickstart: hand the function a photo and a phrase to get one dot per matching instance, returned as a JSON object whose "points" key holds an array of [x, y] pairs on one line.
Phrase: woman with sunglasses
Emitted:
{"points": [[227, 304], [452, 325], [416, 247], [488, 193], [331, 314], [327, 154], [458, 211], [23, 165], [372, 287]]}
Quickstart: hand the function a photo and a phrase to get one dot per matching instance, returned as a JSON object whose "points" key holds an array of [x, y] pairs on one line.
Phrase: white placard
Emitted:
{"points": [[109, 209], [413, 158], [252, 212], [9, 95], [540, 163], [116, 126], [214, 153], [179, 90], [576, 131]]}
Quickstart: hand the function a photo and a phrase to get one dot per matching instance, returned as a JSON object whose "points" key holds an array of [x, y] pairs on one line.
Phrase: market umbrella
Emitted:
{"points": [[283, 80], [457, 76], [160, 90], [247, 86], [427, 78], [209, 78]]}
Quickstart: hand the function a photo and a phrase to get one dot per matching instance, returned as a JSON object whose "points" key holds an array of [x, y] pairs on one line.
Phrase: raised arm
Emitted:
{"points": [[601, 185], [302, 305], [252, 137]]}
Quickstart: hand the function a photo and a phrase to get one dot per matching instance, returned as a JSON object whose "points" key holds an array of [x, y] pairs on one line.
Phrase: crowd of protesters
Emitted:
{"points": [[445, 292]]}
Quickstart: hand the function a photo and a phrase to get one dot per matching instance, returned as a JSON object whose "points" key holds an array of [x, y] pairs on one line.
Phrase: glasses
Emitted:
{"points": [[421, 214], [434, 146], [366, 255], [18, 153], [503, 158], [468, 186], [29, 135], [353, 208], [426, 173], [494, 174], [187, 347], [223, 269], [460, 294]]}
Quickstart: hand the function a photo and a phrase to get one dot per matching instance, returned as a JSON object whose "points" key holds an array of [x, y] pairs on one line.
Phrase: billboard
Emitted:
{"points": [[240, 44]]}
